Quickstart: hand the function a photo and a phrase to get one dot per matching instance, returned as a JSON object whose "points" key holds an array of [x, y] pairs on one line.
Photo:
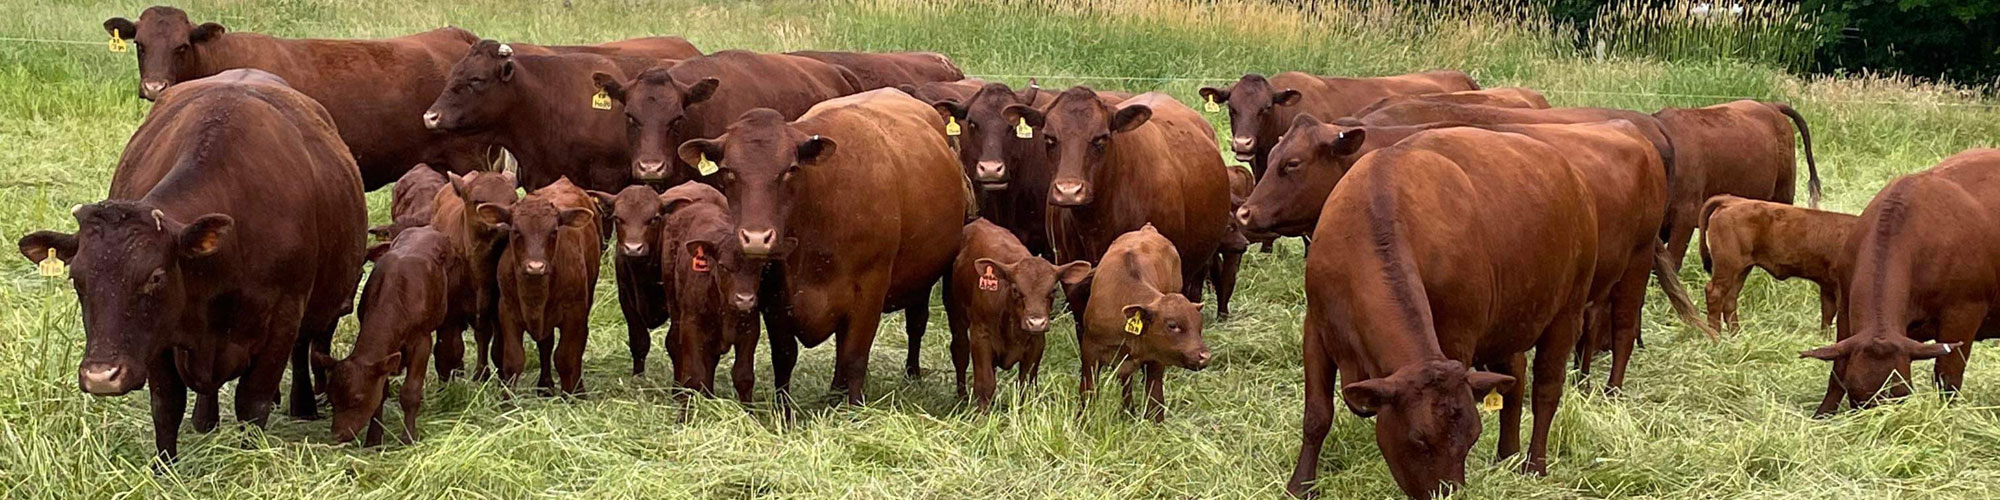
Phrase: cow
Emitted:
{"points": [[1504, 97], [373, 89], [890, 69], [412, 202], [636, 217], [546, 276], [997, 302], [1120, 167], [1739, 233], [1306, 165], [235, 194], [1259, 107], [1137, 321], [1922, 264], [1007, 158], [455, 213], [699, 98], [858, 206], [1229, 257], [1741, 148], [702, 260], [415, 289], [1453, 249]]}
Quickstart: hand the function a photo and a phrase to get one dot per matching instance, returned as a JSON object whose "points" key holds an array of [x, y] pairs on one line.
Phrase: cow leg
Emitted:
{"points": [[961, 348], [1086, 383], [744, 370], [1126, 369], [982, 368], [1225, 282], [1030, 369], [488, 325], [303, 405], [784, 349], [1596, 326], [1682, 230], [1320, 390], [916, 317], [638, 331], [1510, 407], [449, 349], [207, 412], [1627, 298], [1549, 375], [853, 343], [545, 347], [374, 437], [322, 342], [1156, 391], [569, 352], [506, 345], [411, 399], [1959, 325], [1829, 303], [1194, 276], [169, 406]]}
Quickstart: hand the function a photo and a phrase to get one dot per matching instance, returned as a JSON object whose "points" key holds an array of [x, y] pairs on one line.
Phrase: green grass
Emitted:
{"points": [[1698, 419]]}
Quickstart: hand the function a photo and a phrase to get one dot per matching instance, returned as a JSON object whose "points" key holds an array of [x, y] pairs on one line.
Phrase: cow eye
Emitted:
{"points": [[1291, 165], [1100, 141], [1051, 140], [154, 282], [181, 49], [653, 221], [789, 172], [631, 122]]}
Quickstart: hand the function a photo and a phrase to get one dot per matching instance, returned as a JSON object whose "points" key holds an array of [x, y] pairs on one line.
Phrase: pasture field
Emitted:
{"points": [[1698, 419]]}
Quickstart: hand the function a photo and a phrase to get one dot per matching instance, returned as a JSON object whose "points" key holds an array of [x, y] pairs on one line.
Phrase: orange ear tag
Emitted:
{"points": [[699, 263], [987, 282]]}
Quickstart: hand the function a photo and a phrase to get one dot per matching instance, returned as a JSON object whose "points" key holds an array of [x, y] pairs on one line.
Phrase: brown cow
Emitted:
{"points": [[546, 278], [373, 89], [234, 194], [1012, 172], [891, 69], [1504, 97], [1454, 248], [1260, 108], [857, 204], [1741, 148], [648, 47], [416, 289], [455, 214], [1922, 264], [1145, 160], [1136, 321], [997, 302], [700, 97], [636, 216], [1306, 165], [412, 202], [1787, 241], [702, 260]]}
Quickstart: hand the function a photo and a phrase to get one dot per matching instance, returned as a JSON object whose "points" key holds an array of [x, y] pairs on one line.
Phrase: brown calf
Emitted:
{"points": [[636, 217], [998, 300], [1260, 108], [702, 262], [1137, 322], [1236, 242], [1739, 233], [415, 289], [700, 97], [1741, 148], [889, 70], [412, 202], [455, 214], [546, 278]]}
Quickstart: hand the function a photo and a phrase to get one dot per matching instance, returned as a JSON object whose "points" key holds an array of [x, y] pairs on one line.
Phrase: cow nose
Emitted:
{"points": [[635, 249], [1038, 324], [151, 90], [1243, 216], [652, 169], [431, 119], [536, 267], [756, 242], [1242, 144], [1068, 193], [1201, 359], [992, 171], [744, 301], [102, 378]]}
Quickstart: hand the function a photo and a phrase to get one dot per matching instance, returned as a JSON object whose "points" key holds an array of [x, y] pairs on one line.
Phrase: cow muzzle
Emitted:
{"points": [[151, 90], [1199, 360], [651, 170], [743, 301], [633, 249], [1245, 147], [536, 267], [1243, 218], [758, 243], [1070, 193], [432, 119], [106, 379], [1035, 324], [992, 175]]}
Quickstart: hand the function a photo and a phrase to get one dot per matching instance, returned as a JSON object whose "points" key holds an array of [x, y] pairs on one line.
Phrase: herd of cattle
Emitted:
{"points": [[1453, 230]]}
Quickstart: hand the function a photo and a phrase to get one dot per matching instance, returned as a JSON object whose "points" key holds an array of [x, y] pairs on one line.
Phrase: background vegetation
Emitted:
{"points": [[1698, 419]]}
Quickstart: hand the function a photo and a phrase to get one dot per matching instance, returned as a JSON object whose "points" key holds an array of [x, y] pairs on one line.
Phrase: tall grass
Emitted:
{"points": [[1698, 419], [1761, 31]]}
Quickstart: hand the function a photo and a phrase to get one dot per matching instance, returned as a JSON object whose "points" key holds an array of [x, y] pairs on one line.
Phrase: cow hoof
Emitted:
{"points": [[914, 373]]}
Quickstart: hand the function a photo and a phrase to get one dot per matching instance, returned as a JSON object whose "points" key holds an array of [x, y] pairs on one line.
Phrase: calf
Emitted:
{"points": [[415, 289], [636, 214], [455, 213], [1741, 148], [1922, 264], [1739, 233], [998, 301], [1454, 248], [1136, 321], [1011, 168], [795, 189], [546, 278], [700, 97], [1504, 97], [235, 194], [539, 107], [412, 202], [889, 70], [1260, 108], [702, 261]]}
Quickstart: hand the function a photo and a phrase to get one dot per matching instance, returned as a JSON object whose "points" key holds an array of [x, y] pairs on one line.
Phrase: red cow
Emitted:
{"points": [[998, 301], [546, 278]]}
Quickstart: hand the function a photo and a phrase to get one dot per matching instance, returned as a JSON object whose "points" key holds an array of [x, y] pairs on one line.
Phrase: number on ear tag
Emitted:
{"points": [[600, 101], [1022, 130], [1492, 402], [1210, 106], [699, 263], [52, 266], [1135, 324], [116, 45], [951, 126], [988, 282]]}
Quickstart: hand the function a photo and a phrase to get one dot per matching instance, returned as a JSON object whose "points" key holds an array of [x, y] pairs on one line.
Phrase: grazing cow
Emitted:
{"points": [[412, 202], [1229, 257], [455, 214], [1454, 248], [889, 70], [636, 216], [1741, 148], [415, 289], [1013, 172], [1259, 107], [1923, 264], [373, 89], [1503, 97], [546, 276], [1136, 321], [541, 108], [1787, 241], [998, 301], [700, 97], [1120, 167], [235, 194], [858, 204], [702, 260]]}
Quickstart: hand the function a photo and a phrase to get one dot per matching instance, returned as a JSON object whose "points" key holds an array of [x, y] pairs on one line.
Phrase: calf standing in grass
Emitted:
{"points": [[546, 277], [1787, 241], [998, 302], [701, 260], [636, 215], [1138, 321], [454, 214], [412, 202], [415, 289]]}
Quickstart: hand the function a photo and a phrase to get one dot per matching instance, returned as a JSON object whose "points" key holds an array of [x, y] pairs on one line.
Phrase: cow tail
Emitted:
{"points": [[1677, 295], [1812, 166], [1701, 222]]}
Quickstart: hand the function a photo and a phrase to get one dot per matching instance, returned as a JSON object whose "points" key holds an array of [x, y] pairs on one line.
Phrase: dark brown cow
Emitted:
{"points": [[1229, 257], [1741, 148], [1454, 248], [1786, 241], [455, 214], [1013, 173], [373, 89], [1135, 320], [234, 194], [702, 260], [1923, 264], [1260, 108], [541, 109], [412, 202], [700, 97], [636, 217], [417, 288], [858, 203], [891, 69], [998, 301], [1504, 97], [546, 278], [1145, 160]]}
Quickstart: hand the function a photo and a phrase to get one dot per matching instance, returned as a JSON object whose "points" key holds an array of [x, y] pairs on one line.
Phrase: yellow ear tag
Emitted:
{"points": [[601, 101], [1022, 130], [1492, 402], [951, 126], [1210, 106], [706, 166], [1134, 325], [52, 266], [116, 45]]}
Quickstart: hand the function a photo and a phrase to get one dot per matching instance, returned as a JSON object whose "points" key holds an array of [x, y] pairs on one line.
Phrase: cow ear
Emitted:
{"points": [[1827, 353], [1074, 273], [121, 28], [605, 201], [1286, 98], [458, 185], [908, 89], [694, 150], [999, 270], [576, 218], [389, 365], [322, 360], [1934, 350], [1370, 395], [816, 149], [1144, 311], [1024, 113], [950, 109], [1482, 382], [1348, 142], [1216, 94], [1304, 121], [670, 203], [609, 84], [206, 32], [507, 69], [36, 245], [1027, 95], [493, 215], [381, 232], [1130, 117], [701, 91], [376, 251], [205, 235]]}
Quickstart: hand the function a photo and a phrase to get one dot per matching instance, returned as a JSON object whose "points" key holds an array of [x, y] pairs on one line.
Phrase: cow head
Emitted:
{"points": [[129, 263], [1251, 123], [764, 162], [484, 188], [532, 225], [1302, 170], [656, 117], [1171, 332], [1426, 421], [356, 388], [1077, 131], [636, 213], [1872, 367], [701, 274], [988, 147], [1030, 285], [480, 91], [168, 45]]}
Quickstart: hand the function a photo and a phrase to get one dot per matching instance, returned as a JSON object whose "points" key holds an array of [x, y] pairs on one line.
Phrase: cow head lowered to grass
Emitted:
{"points": [[1428, 420], [168, 45]]}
